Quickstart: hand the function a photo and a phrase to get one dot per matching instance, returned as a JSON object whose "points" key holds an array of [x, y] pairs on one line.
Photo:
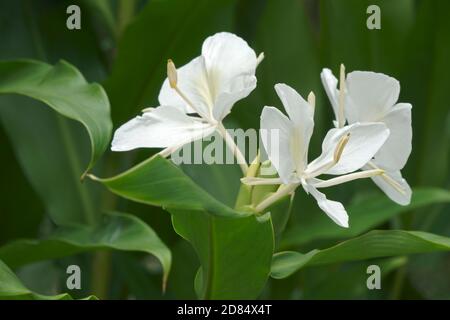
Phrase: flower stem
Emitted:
{"points": [[233, 147], [282, 191]]}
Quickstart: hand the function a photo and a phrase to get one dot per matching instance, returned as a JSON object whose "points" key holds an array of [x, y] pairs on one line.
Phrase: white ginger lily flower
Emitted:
{"points": [[208, 86], [344, 150], [372, 97]]}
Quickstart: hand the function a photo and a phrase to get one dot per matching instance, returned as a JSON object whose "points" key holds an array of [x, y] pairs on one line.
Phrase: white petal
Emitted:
{"points": [[241, 88], [301, 114], [330, 82], [370, 96], [335, 210], [163, 127], [227, 57], [298, 109], [391, 189], [396, 150], [193, 83], [276, 132], [364, 141], [230, 65]]}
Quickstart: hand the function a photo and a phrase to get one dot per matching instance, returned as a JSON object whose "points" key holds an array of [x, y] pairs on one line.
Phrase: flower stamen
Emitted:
{"points": [[349, 177], [260, 58], [173, 80], [336, 157], [149, 109], [172, 74], [340, 148], [312, 99], [341, 117], [389, 180]]}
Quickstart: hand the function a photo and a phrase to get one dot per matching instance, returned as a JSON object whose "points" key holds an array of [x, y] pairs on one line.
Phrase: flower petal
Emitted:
{"points": [[163, 127], [193, 83], [335, 210], [298, 109], [330, 82], [230, 66], [276, 132], [364, 141], [240, 89], [301, 114], [390, 183], [370, 96], [397, 148]]}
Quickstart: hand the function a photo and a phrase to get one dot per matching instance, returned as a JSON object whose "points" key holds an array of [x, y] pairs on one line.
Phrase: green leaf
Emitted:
{"points": [[375, 244], [364, 215], [349, 279], [63, 88], [159, 182], [51, 149], [234, 253], [118, 232], [220, 235], [11, 288]]}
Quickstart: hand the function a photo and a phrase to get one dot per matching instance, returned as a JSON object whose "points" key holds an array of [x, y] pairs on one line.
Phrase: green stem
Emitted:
{"points": [[399, 282], [101, 265], [101, 273], [282, 191]]}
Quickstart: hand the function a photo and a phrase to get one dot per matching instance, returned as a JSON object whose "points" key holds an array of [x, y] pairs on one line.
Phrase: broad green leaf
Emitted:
{"points": [[220, 235], [185, 265], [375, 244], [51, 149], [64, 89], [118, 232], [163, 29], [222, 181], [348, 280], [50, 152], [364, 215], [234, 253], [159, 182], [11, 288], [14, 225]]}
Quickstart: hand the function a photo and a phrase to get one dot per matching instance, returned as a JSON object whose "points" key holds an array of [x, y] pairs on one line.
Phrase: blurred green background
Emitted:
{"points": [[124, 45]]}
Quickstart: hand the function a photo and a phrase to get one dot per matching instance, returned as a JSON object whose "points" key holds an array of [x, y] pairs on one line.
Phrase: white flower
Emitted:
{"points": [[372, 97], [208, 86], [344, 150]]}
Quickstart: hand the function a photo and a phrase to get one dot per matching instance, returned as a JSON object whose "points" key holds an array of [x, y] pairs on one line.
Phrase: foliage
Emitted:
{"points": [[113, 67]]}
